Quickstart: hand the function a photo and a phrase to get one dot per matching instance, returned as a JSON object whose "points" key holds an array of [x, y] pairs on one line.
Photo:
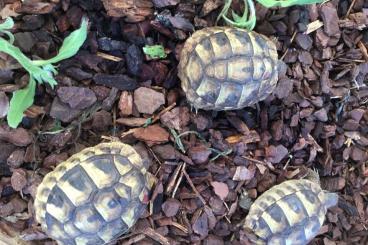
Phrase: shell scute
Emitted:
{"points": [[94, 196], [289, 213], [224, 56]]}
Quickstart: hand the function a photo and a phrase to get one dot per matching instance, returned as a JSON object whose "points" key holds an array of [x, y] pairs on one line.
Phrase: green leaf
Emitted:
{"points": [[70, 46], [154, 51], [247, 20], [286, 3], [21, 100], [6, 25]]}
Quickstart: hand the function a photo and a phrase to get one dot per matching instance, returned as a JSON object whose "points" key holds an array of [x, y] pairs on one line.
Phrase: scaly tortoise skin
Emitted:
{"points": [[290, 213], [223, 68], [95, 196]]}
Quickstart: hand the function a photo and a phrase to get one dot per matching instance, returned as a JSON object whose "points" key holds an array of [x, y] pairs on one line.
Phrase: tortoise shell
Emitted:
{"points": [[223, 68], [289, 213], [95, 196]]}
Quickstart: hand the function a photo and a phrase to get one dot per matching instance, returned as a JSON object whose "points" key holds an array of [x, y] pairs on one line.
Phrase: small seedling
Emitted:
{"points": [[154, 51], [41, 71], [248, 19]]}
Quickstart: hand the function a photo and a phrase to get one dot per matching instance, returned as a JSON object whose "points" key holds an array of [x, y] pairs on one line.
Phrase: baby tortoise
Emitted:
{"points": [[95, 196], [225, 68], [290, 213]]}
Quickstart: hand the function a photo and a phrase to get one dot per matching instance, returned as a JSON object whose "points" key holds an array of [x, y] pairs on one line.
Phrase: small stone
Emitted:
{"points": [[321, 115], [304, 41], [148, 100], [78, 74], [25, 41], [119, 81], [199, 154], [18, 136], [77, 97], [330, 19], [101, 120], [16, 159], [177, 118], [171, 207], [62, 111], [152, 135], [275, 154], [18, 179], [126, 103], [4, 104]]}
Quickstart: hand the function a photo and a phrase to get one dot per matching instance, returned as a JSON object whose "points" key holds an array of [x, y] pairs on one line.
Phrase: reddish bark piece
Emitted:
{"points": [[132, 10], [177, 118], [77, 97], [18, 136], [242, 173], [171, 207], [126, 103], [276, 153], [152, 135], [19, 179], [199, 154], [148, 100], [221, 189], [16, 159], [200, 225]]}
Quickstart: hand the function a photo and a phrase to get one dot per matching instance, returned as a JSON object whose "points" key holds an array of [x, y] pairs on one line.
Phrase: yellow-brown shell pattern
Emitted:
{"points": [[289, 213], [95, 196], [223, 68]]}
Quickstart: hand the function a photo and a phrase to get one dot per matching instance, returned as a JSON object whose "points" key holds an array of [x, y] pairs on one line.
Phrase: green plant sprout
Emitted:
{"points": [[41, 71], [154, 51], [248, 19]]}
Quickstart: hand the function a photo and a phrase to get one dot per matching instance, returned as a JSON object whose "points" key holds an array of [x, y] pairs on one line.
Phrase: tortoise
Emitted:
{"points": [[228, 68], [289, 213], [95, 196]]}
